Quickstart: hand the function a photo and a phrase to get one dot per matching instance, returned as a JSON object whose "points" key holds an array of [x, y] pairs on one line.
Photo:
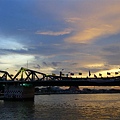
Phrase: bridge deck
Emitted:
{"points": [[69, 82]]}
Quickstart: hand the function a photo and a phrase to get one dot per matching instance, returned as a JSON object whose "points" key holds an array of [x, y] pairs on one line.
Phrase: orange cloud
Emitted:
{"points": [[99, 20]]}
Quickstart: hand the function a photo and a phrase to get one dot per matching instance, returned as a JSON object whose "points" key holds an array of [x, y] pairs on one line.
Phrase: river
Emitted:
{"points": [[64, 107]]}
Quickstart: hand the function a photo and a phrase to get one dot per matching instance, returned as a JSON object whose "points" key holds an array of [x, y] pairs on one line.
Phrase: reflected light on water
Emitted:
{"points": [[64, 107]]}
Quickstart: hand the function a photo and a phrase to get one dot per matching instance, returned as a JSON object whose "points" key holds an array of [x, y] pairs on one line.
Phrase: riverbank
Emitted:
{"points": [[84, 91]]}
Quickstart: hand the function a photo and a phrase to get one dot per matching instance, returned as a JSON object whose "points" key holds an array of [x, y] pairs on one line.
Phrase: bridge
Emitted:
{"points": [[27, 77], [35, 78]]}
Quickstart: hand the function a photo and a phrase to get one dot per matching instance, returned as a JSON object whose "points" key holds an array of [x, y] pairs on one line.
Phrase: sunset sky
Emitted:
{"points": [[51, 35]]}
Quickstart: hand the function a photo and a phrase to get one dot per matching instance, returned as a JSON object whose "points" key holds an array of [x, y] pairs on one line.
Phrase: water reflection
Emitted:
{"points": [[17, 110], [79, 107], [64, 107]]}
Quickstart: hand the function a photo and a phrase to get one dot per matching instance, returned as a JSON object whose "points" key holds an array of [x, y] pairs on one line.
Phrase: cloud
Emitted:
{"points": [[52, 33], [37, 66], [112, 49], [90, 34], [55, 64], [13, 60], [45, 64], [11, 44], [100, 19], [111, 54], [44, 33]]}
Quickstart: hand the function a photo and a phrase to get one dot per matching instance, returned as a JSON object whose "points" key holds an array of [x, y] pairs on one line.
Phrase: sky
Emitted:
{"points": [[52, 35]]}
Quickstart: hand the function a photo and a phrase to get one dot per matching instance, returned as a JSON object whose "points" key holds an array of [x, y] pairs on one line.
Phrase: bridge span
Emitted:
{"points": [[22, 84], [35, 78], [68, 82]]}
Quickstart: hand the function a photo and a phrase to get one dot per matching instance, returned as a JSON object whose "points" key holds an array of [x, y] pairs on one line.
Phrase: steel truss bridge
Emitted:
{"points": [[35, 78]]}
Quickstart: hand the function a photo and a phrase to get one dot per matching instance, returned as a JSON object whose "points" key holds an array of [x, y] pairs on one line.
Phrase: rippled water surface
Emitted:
{"points": [[64, 107]]}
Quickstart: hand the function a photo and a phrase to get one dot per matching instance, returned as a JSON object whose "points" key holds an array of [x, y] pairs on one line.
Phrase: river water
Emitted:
{"points": [[64, 107]]}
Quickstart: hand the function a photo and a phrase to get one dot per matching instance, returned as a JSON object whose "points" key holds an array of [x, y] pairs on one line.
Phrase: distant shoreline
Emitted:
{"points": [[73, 93], [78, 92]]}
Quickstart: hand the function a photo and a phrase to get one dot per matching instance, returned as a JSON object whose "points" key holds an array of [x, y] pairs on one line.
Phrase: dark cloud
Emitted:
{"points": [[112, 49], [55, 64], [74, 63], [112, 59], [37, 66], [45, 64], [112, 54]]}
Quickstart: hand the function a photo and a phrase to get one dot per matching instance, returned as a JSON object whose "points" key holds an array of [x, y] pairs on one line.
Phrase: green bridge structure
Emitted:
{"points": [[21, 86]]}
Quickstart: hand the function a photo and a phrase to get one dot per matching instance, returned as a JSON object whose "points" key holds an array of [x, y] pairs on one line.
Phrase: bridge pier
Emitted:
{"points": [[18, 93]]}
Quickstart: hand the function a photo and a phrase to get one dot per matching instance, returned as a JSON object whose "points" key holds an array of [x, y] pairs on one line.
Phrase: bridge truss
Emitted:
{"points": [[5, 75], [25, 75]]}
